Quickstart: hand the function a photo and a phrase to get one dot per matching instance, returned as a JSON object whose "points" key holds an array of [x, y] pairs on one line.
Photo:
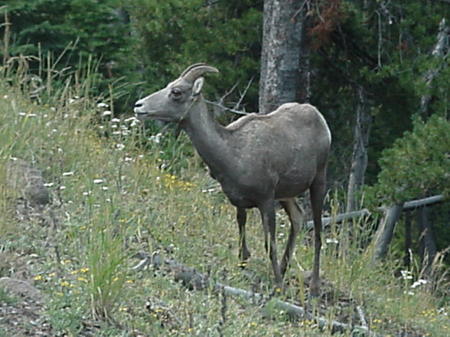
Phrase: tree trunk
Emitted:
{"points": [[280, 58], [384, 234], [304, 89], [439, 51], [360, 144]]}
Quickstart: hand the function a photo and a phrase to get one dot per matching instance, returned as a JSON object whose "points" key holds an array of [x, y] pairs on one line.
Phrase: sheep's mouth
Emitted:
{"points": [[151, 115]]}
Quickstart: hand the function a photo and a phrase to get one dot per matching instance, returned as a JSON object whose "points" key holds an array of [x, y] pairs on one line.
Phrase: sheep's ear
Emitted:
{"points": [[198, 85]]}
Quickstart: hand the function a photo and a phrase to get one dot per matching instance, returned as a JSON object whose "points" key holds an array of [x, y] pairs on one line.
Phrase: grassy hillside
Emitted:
{"points": [[114, 198]]}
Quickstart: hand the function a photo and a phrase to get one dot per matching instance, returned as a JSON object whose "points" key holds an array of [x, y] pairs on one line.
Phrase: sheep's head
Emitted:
{"points": [[173, 103]]}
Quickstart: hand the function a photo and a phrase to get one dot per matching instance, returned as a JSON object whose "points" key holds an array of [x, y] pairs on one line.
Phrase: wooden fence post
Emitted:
{"points": [[385, 232]]}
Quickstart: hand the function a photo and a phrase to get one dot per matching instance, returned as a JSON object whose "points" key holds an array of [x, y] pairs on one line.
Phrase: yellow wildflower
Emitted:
{"points": [[65, 284]]}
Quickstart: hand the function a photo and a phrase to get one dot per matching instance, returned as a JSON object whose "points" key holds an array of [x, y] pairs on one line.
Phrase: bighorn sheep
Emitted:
{"points": [[257, 159]]}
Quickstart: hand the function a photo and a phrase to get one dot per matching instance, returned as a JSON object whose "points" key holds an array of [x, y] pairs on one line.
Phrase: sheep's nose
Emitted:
{"points": [[138, 105]]}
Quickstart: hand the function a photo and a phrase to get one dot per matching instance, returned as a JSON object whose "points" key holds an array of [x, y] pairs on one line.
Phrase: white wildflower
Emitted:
{"points": [[98, 181], [120, 146], [329, 240], [49, 184], [106, 113], [102, 105], [442, 311], [21, 113], [67, 174], [406, 274], [115, 120], [62, 187], [418, 283], [128, 159], [105, 188], [87, 193], [135, 122], [209, 190], [131, 119], [156, 138]]}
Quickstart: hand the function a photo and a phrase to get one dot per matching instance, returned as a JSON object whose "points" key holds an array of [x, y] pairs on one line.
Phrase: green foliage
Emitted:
{"points": [[176, 33], [418, 164], [386, 48], [71, 34], [94, 28]]}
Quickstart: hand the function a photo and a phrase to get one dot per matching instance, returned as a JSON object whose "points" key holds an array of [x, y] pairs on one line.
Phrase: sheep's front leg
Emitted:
{"points": [[267, 211], [241, 216]]}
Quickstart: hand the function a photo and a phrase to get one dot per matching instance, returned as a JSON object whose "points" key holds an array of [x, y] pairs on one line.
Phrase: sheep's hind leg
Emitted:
{"points": [[317, 192], [295, 216], [267, 211]]}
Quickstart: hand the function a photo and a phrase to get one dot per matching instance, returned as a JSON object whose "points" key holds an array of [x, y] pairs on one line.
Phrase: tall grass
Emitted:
{"points": [[126, 192], [106, 257]]}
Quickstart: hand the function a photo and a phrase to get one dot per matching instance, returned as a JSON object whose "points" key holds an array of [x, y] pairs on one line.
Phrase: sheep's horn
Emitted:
{"points": [[196, 70]]}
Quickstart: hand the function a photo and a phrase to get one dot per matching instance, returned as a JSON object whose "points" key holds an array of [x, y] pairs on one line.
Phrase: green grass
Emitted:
{"points": [[114, 198]]}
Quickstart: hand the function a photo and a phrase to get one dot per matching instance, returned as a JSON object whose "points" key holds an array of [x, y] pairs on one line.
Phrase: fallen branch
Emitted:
{"points": [[362, 317], [192, 279]]}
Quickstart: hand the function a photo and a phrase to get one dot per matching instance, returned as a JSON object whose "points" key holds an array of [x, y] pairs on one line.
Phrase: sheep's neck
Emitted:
{"points": [[210, 139]]}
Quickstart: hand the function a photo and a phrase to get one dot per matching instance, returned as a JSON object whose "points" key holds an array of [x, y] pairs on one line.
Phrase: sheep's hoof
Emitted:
{"points": [[314, 289], [244, 256]]}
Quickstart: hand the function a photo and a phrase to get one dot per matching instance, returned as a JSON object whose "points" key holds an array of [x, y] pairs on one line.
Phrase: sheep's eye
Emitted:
{"points": [[176, 92]]}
